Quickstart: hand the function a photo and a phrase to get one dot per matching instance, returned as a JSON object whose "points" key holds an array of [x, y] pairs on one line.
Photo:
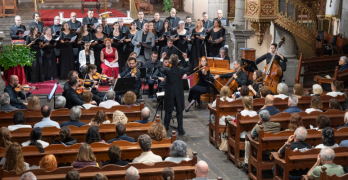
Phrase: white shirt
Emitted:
{"points": [[88, 106], [176, 159], [228, 99], [82, 57], [322, 146], [105, 122], [282, 96], [18, 126], [148, 158], [108, 104], [247, 113], [309, 110], [47, 122], [334, 94], [222, 118], [43, 143]]}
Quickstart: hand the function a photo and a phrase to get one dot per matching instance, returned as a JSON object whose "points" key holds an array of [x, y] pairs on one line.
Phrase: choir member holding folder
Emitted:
{"points": [[17, 30], [198, 47], [109, 59], [49, 55], [34, 73], [216, 38], [118, 37], [66, 60]]}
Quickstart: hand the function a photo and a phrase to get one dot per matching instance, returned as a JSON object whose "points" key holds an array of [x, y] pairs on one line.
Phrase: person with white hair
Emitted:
{"points": [[223, 53], [132, 173], [55, 28], [110, 100], [28, 176], [181, 42], [146, 114], [201, 171], [178, 152], [17, 30], [343, 62], [282, 90], [173, 19], [326, 157], [5, 103], [60, 102], [75, 114], [345, 121], [292, 103], [317, 90]]}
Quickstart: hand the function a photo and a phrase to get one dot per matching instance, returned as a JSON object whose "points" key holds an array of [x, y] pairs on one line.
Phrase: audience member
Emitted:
{"points": [[119, 116], [129, 98], [5, 137], [146, 114], [29, 176], [264, 91], [99, 176], [345, 121], [121, 130], [18, 121], [292, 103], [93, 135], [295, 122], [60, 102], [5, 101], [269, 106], [34, 104], [315, 105], [178, 152], [14, 159], [48, 163], [99, 119], [248, 107], [114, 153], [64, 137], [157, 131], [201, 171], [225, 94], [322, 122], [334, 104], [110, 100], [132, 173], [326, 157], [35, 140], [75, 114], [147, 156], [328, 137], [298, 90], [282, 90], [72, 175], [317, 90], [337, 88], [344, 143], [85, 157], [87, 99], [46, 121], [168, 173]]}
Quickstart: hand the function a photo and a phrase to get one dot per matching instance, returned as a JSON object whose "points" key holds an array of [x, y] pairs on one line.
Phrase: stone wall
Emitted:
{"points": [[344, 19]]}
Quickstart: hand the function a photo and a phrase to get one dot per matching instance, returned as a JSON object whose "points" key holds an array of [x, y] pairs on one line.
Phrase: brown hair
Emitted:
{"points": [[87, 96], [82, 31], [168, 173], [107, 39], [114, 153], [129, 98], [130, 55], [323, 121], [34, 104], [334, 104], [90, 67], [298, 88], [264, 90], [295, 121], [99, 176], [48, 162], [157, 131], [99, 118], [5, 137], [196, 26], [174, 59], [219, 23], [258, 75], [14, 159], [64, 133], [339, 85], [153, 30], [85, 153], [248, 102], [316, 102], [244, 91], [225, 92]]}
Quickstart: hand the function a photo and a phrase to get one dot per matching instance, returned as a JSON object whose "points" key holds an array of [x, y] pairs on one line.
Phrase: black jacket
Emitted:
{"points": [[126, 74], [87, 21], [158, 74], [55, 28], [242, 77], [107, 30], [39, 25], [167, 50], [14, 95], [118, 162], [139, 24], [150, 67], [158, 27], [124, 29], [175, 23], [75, 25], [67, 141], [72, 99], [14, 29], [268, 58], [207, 24]]}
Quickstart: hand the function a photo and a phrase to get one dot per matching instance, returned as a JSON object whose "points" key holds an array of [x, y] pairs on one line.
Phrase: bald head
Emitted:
{"points": [[202, 169], [269, 100], [73, 16], [219, 14], [14, 80]]}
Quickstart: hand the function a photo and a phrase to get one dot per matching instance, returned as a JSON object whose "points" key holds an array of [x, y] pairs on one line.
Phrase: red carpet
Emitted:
{"points": [[46, 87]]}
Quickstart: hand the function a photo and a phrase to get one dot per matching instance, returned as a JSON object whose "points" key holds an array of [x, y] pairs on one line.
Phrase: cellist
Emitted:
{"points": [[278, 57], [241, 77]]}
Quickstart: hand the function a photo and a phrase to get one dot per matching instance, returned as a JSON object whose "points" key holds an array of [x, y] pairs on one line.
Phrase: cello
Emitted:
{"points": [[273, 71], [233, 82]]}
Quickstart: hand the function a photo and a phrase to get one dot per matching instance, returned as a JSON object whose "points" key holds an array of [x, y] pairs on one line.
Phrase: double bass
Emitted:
{"points": [[273, 71]]}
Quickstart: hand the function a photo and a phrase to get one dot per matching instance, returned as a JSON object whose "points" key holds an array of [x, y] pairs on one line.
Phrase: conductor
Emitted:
{"points": [[174, 91]]}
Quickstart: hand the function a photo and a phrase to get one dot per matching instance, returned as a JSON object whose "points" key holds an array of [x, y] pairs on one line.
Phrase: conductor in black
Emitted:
{"points": [[174, 91]]}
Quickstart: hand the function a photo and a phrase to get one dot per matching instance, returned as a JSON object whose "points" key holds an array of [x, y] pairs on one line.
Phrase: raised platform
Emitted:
{"points": [[66, 4]]}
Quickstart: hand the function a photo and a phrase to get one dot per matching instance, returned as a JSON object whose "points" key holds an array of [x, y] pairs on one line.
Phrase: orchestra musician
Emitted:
{"points": [[10, 89], [131, 71], [202, 85], [257, 84], [91, 71], [158, 75], [174, 91], [150, 67], [72, 98]]}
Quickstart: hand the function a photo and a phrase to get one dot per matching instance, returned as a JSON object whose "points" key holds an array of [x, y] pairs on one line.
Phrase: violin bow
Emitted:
{"points": [[101, 76]]}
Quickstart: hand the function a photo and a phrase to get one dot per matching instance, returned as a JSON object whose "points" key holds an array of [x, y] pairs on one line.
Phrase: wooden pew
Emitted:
{"points": [[340, 42], [106, 131], [68, 154], [339, 75], [133, 113], [324, 176], [183, 170]]}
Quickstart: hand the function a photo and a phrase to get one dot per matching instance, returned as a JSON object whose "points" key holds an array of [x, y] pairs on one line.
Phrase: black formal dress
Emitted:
{"points": [[120, 52], [85, 39], [66, 59], [268, 58], [49, 60], [163, 43], [214, 48], [124, 29], [197, 50], [227, 24], [182, 45], [13, 32], [97, 49], [34, 73], [202, 87], [129, 46]]}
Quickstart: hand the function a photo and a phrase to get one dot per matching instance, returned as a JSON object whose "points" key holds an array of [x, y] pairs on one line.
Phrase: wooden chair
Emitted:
{"points": [[90, 4], [324, 176], [10, 7], [145, 5], [339, 75]]}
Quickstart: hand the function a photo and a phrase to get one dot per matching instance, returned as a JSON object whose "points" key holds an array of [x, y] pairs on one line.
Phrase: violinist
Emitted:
{"points": [[241, 78], [278, 57], [257, 84], [10, 89], [72, 98], [131, 71], [202, 85], [158, 75], [91, 82]]}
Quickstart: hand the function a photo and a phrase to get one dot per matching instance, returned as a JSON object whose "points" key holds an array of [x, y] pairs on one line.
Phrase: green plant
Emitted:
{"points": [[168, 4], [12, 56]]}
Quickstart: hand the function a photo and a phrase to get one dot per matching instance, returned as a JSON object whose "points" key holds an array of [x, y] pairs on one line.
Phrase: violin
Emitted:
{"points": [[88, 82], [200, 68], [134, 70], [25, 87], [81, 90], [96, 76]]}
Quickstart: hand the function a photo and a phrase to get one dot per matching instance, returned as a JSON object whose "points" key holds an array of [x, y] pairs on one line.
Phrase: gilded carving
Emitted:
{"points": [[267, 8], [252, 7], [260, 29]]}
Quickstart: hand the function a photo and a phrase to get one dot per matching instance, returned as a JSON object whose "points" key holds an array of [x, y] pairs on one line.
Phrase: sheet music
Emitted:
{"points": [[216, 40], [108, 64], [96, 24], [78, 30], [53, 91], [57, 38], [73, 39], [26, 33], [223, 22], [160, 94]]}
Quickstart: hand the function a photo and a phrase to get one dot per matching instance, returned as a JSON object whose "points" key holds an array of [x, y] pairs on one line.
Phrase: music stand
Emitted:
{"points": [[124, 84], [53, 94], [251, 66]]}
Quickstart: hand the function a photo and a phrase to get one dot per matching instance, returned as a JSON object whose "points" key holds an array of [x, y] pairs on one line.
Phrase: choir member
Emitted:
{"points": [[158, 75], [18, 26], [173, 19], [182, 41], [143, 50], [73, 23], [116, 35], [202, 86], [90, 21], [169, 49], [158, 24], [34, 73], [222, 20], [223, 53], [140, 21], [188, 23], [153, 30], [162, 35], [207, 24], [109, 54], [66, 60], [99, 37], [107, 29], [55, 28], [84, 37], [123, 29], [151, 66], [49, 55], [128, 40], [86, 57], [37, 23], [216, 38], [198, 47]]}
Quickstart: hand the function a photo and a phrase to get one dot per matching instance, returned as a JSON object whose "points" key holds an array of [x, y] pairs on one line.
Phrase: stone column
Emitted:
{"points": [[239, 20], [2, 82]]}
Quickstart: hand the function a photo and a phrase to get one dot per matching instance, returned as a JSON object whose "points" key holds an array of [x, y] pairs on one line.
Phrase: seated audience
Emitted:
{"points": [[46, 121], [328, 138], [5, 137], [110, 100], [87, 99], [292, 103], [121, 130], [64, 137], [35, 140], [147, 156], [119, 116], [168, 173], [337, 88], [129, 98], [114, 153], [14, 159], [298, 90], [5, 103], [99, 119], [326, 157], [48, 163], [322, 122], [225, 93], [93, 135], [295, 122], [85, 157], [18, 121], [72, 175], [178, 152], [345, 121], [315, 105], [60, 102], [75, 114], [244, 92], [282, 90], [269, 106], [28, 176], [132, 173], [248, 107], [317, 90], [146, 114], [201, 171], [344, 143], [334, 104], [157, 131], [34, 104], [99, 176], [264, 91]]}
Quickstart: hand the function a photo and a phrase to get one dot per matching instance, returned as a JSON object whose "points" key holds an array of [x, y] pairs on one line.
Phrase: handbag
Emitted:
{"points": [[224, 142]]}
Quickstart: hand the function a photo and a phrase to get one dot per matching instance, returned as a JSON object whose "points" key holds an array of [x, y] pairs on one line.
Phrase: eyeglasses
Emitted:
{"points": [[73, 16]]}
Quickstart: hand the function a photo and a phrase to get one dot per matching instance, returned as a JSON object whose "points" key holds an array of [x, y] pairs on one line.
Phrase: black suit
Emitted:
{"points": [[87, 21], [14, 29], [75, 25], [169, 51], [39, 25], [72, 99], [174, 22], [242, 77], [139, 24], [107, 30], [174, 94], [158, 25], [124, 29]]}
